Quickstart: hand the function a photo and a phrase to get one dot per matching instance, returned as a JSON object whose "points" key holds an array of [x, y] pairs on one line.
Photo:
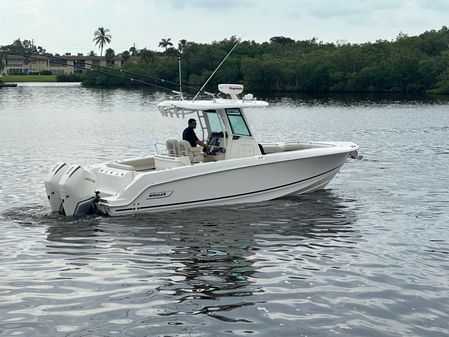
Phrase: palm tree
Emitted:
{"points": [[182, 45], [101, 38], [165, 43]]}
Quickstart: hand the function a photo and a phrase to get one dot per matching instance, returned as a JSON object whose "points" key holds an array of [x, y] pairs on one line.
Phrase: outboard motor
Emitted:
{"points": [[77, 191], [52, 185]]}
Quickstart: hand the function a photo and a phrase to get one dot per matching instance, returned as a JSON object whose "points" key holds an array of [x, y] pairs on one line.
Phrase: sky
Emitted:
{"points": [[62, 26]]}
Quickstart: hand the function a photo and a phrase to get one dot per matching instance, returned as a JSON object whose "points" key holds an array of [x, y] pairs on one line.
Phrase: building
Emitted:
{"points": [[60, 65]]}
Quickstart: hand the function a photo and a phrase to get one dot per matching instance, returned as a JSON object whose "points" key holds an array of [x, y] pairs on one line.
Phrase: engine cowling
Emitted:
{"points": [[77, 191], [52, 185]]}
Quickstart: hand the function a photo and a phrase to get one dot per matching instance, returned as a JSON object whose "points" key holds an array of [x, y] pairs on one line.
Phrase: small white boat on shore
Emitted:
{"points": [[236, 168]]}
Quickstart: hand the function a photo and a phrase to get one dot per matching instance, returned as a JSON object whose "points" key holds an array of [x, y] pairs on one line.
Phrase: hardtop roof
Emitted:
{"points": [[188, 107]]}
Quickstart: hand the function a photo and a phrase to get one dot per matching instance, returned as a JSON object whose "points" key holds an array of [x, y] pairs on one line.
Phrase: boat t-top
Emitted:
{"points": [[235, 169]]}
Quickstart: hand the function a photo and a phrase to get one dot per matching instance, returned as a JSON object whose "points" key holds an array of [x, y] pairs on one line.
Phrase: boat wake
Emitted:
{"points": [[37, 215], [309, 206]]}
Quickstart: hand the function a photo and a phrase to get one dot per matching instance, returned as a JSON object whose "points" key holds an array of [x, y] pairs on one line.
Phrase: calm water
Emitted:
{"points": [[368, 256]]}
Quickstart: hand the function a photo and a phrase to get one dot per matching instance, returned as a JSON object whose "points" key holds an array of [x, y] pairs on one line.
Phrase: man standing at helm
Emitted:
{"points": [[189, 134]]}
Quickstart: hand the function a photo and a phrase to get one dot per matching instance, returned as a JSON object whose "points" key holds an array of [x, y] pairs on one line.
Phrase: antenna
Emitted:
{"points": [[180, 81], [205, 83]]}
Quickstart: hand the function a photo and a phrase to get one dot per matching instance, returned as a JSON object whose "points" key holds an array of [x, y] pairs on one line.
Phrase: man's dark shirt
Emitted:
{"points": [[189, 135]]}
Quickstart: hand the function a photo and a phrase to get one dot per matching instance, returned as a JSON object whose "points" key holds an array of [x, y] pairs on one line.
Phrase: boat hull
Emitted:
{"points": [[231, 182]]}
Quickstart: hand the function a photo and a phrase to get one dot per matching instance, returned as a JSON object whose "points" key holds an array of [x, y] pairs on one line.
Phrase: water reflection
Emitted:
{"points": [[205, 261], [315, 265], [355, 99]]}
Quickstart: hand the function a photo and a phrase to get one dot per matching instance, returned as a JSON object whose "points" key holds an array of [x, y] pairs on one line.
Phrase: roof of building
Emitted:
{"points": [[71, 58]]}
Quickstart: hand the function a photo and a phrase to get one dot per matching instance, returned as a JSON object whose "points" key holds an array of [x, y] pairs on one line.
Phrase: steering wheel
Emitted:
{"points": [[212, 150]]}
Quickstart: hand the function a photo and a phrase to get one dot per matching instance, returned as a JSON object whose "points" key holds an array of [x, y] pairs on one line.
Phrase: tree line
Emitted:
{"points": [[408, 64]]}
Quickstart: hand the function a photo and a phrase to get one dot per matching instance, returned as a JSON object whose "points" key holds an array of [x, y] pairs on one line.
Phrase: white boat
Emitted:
{"points": [[236, 168]]}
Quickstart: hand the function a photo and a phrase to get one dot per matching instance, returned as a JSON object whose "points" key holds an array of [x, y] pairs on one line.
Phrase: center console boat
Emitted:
{"points": [[235, 169]]}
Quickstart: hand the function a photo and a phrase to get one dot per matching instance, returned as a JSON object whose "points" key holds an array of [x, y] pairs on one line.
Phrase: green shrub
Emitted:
{"points": [[68, 78]]}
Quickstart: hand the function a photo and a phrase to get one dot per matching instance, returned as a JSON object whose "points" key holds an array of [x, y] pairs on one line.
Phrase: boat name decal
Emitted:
{"points": [[159, 195]]}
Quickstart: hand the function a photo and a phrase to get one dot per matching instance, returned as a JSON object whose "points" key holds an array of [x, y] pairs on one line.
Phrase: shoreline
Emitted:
{"points": [[28, 78]]}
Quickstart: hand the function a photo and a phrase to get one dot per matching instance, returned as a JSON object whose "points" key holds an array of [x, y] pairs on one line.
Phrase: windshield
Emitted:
{"points": [[214, 121], [238, 124]]}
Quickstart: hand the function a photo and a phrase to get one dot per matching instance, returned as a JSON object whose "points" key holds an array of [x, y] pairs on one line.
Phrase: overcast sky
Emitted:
{"points": [[68, 25]]}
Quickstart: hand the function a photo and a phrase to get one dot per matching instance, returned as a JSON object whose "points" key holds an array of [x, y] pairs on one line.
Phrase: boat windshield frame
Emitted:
{"points": [[237, 122], [214, 125]]}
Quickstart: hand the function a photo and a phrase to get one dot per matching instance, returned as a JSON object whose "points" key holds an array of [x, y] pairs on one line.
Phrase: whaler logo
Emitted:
{"points": [[159, 195]]}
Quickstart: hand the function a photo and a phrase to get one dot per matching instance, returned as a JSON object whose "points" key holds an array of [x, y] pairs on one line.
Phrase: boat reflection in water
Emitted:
{"points": [[204, 262]]}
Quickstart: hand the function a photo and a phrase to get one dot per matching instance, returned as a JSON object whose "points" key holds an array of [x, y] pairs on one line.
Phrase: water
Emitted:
{"points": [[368, 256]]}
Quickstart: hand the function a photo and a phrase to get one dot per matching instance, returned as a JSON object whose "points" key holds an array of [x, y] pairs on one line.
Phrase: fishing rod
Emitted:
{"points": [[110, 72], [128, 73], [96, 68], [198, 92], [103, 72]]}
